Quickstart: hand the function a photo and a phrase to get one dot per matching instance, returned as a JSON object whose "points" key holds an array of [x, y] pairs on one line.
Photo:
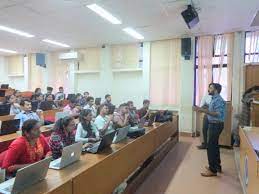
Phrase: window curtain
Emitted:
{"points": [[253, 46], [225, 45], [204, 71], [165, 73]]}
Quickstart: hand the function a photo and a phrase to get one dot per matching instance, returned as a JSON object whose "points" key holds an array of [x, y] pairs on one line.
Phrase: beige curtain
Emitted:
{"points": [[204, 74], [165, 72], [225, 44], [253, 46]]}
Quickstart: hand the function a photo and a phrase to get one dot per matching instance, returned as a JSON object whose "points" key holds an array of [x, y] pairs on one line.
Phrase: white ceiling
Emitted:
{"points": [[70, 22]]}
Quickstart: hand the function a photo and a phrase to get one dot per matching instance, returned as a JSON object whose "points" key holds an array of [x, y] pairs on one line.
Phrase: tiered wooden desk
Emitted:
{"points": [[102, 173], [249, 161]]}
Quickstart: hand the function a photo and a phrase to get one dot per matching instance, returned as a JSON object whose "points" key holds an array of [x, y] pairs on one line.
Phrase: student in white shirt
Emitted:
{"points": [[15, 107], [60, 94], [86, 131], [90, 106], [103, 122], [27, 114]]}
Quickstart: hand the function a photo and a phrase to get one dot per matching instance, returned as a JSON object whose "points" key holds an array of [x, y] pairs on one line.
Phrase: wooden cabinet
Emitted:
{"points": [[251, 76], [254, 114]]}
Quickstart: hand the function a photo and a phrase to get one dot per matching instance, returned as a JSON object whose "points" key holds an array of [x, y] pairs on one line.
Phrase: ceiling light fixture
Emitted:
{"points": [[14, 31], [56, 43], [133, 33], [103, 13], [7, 51]]}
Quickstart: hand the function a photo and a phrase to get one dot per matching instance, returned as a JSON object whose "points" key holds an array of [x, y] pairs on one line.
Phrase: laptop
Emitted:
{"points": [[105, 142], [26, 177], [121, 134], [98, 101], [61, 115], [2, 93], [9, 126], [70, 154], [5, 109], [111, 109], [71, 96], [4, 86], [34, 105]]}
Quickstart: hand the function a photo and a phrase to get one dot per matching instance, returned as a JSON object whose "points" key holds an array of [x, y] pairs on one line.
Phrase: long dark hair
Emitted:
{"points": [[86, 126], [62, 123], [29, 125]]}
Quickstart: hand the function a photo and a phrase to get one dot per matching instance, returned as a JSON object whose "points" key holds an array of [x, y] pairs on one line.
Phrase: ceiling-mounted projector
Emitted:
{"points": [[190, 16]]}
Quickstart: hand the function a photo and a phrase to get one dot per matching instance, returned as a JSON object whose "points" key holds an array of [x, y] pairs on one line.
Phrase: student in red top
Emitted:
{"points": [[27, 149]]}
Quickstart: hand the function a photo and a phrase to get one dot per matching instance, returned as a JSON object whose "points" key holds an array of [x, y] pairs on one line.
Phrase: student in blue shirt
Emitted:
{"points": [[216, 117], [27, 114]]}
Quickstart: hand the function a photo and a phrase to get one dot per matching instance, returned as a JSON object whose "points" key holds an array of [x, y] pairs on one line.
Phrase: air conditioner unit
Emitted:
{"points": [[70, 56]]}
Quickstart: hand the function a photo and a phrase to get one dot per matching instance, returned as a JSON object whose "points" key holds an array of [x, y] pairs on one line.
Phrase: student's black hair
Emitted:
{"points": [[60, 87], [29, 125], [49, 88], [22, 103], [218, 87], [85, 113], [123, 104], [36, 90], [100, 108], [62, 123], [145, 101], [89, 98], [107, 95]]}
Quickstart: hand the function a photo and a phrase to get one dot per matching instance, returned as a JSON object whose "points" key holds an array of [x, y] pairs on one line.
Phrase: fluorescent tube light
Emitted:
{"points": [[7, 51], [133, 33], [14, 31], [55, 43], [103, 13]]}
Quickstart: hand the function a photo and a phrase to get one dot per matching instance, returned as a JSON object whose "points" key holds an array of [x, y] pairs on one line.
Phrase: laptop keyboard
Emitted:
{"points": [[56, 162]]}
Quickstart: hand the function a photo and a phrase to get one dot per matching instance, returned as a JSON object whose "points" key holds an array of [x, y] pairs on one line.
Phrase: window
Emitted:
{"points": [[219, 68], [252, 47]]}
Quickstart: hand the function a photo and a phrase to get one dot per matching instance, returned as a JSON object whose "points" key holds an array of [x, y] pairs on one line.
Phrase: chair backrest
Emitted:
{"points": [[27, 94], [7, 117]]}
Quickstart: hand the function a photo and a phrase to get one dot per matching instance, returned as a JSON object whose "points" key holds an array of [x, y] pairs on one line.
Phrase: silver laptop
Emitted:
{"points": [[121, 134], [70, 154], [61, 115], [26, 177]]}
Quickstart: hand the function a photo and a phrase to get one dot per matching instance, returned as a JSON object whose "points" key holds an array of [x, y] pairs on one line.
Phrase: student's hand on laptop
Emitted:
{"points": [[92, 140]]}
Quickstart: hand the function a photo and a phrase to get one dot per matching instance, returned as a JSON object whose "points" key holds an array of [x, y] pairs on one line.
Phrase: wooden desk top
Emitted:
{"points": [[252, 134], [120, 160]]}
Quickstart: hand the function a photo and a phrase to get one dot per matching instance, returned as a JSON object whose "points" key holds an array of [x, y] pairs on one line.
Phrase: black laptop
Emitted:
{"points": [[105, 142], [2, 93], [98, 101], [10, 126], [5, 109], [71, 96], [4, 86]]}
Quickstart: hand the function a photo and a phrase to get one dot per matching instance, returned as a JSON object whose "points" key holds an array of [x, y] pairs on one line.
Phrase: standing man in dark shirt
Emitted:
{"points": [[216, 117]]}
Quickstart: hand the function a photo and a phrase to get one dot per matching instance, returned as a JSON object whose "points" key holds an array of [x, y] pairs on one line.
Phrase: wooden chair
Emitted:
{"points": [[7, 117]]}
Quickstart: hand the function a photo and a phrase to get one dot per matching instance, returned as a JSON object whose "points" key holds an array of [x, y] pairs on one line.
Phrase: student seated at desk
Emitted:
{"points": [[144, 111], [71, 108], [103, 122], [49, 91], [27, 114], [133, 116], [90, 105], [15, 107], [27, 149], [36, 92], [121, 118], [63, 135], [48, 104], [60, 95], [18, 95], [86, 131]]}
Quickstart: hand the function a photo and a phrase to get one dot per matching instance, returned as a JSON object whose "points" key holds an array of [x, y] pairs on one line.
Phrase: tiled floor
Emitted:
{"points": [[179, 173]]}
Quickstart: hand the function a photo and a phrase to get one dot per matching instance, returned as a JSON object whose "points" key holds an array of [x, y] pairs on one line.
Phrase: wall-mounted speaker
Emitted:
{"points": [[186, 48]]}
